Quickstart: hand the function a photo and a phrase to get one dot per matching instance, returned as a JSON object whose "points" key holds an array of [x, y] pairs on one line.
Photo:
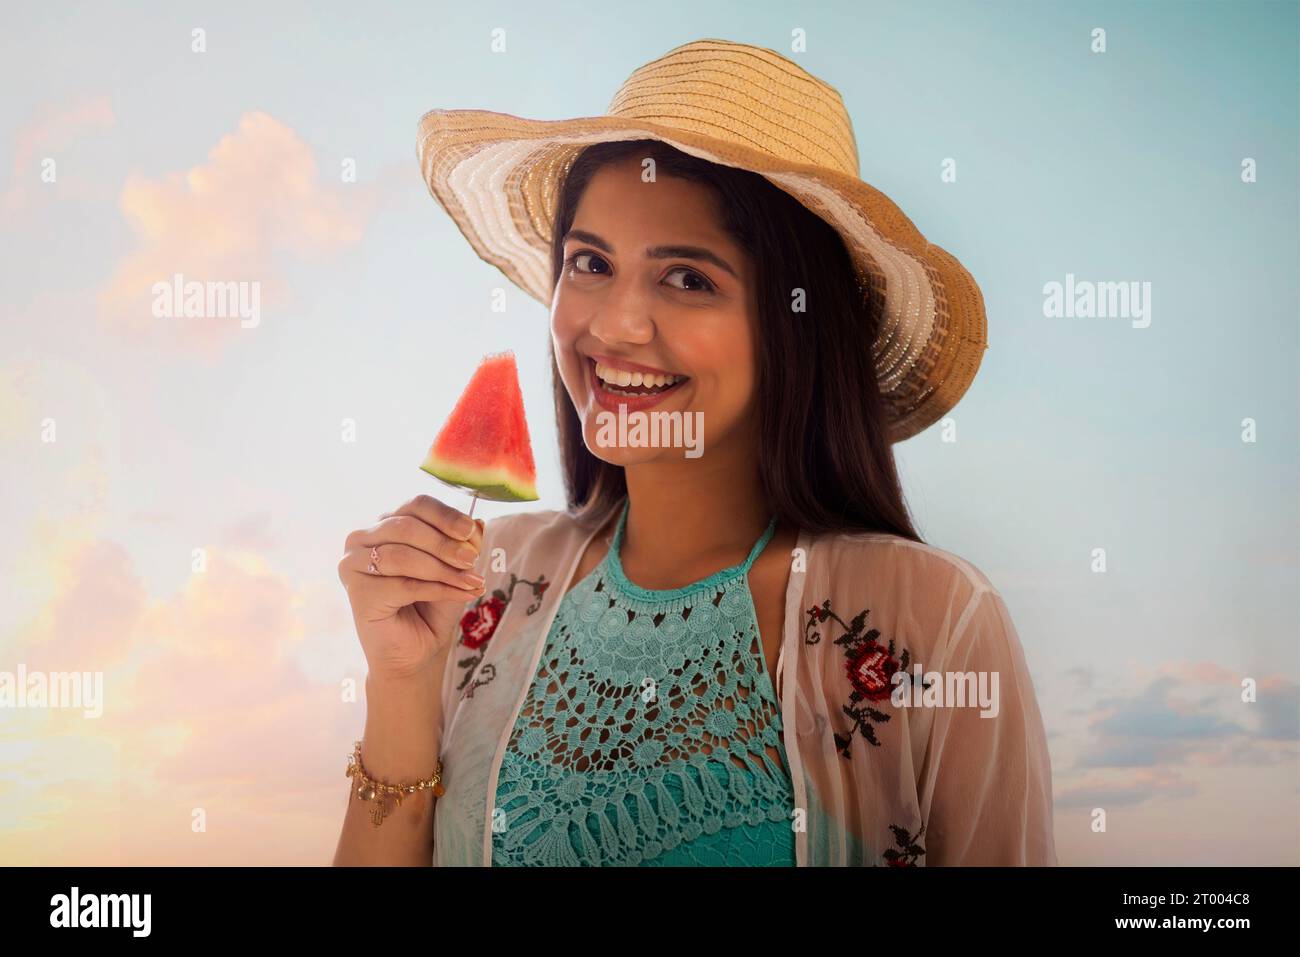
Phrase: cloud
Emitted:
{"points": [[59, 432], [91, 623], [252, 532], [205, 706], [47, 135], [1082, 677], [212, 694], [1279, 709], [1155, 713], [228, 220], [152, 517], [1127, 789], [1191, 713]]}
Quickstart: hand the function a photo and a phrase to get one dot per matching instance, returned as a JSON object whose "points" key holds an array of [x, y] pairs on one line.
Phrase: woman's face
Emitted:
{"points": [[653, 287]]}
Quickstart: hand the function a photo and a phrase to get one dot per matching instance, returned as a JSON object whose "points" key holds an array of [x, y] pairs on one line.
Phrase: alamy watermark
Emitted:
{"points": [[658, 429], [102, 910], [1084, 299], [181, 299], [55, 689], [949, 689]]}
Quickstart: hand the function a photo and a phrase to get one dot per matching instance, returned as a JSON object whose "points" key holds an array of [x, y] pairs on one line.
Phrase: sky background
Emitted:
{"points": [[223, 687]]}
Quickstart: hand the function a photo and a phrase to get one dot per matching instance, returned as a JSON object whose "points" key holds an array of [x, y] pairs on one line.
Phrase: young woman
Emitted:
{"points": [[734, 653]]}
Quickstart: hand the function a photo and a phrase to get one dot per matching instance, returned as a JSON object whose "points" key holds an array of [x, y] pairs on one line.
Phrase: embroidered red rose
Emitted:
{"points": [[870, 669], [870, 665], [480, 622]]}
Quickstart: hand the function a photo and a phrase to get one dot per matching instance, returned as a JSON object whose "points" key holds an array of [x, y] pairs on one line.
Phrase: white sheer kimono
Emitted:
{"points": [[883, 773]]}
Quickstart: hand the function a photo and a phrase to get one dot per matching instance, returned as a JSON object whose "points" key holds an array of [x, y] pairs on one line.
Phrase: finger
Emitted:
{"points": [[451, 522], [399, 560], [390, 594], [416, 532]]}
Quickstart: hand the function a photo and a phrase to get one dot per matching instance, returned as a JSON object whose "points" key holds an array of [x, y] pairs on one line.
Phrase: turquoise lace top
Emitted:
{"points": [[651, 734]]}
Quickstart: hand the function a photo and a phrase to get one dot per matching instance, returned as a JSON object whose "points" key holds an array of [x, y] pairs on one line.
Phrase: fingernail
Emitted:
{"points": [[475, 581], [466, 555], [466, 525]]}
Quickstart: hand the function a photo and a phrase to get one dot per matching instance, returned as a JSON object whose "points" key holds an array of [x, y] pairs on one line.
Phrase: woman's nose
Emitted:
{"points": [[623, 315]]}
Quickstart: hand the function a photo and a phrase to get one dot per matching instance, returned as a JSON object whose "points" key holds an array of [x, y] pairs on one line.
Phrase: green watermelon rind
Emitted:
{"points": [[493, 484]]}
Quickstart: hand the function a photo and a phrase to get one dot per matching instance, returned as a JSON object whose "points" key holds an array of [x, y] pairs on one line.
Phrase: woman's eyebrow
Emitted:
{"points": [[656, 252]]}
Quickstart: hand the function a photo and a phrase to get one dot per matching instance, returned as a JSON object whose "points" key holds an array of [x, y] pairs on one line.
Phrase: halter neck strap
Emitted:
{"points": [[615, 565]]}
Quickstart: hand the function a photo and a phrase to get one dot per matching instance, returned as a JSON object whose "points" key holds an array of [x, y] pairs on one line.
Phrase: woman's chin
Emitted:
{"points": [[625, 455], [605, 444], [654, 429]]}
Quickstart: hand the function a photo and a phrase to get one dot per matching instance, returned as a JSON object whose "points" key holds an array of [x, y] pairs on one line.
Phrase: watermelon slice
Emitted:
{"points": [[483, 447]]}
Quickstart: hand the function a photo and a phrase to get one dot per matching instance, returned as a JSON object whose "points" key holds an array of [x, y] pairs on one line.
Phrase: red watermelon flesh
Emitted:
{"points": [[483, 446]]}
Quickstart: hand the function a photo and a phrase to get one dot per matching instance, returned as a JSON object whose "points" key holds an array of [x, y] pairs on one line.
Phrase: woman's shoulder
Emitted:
{"points": [[921, 563], [908, 586], [924, 596]]}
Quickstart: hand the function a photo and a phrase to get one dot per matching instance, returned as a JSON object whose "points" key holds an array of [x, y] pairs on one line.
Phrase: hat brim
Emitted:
{"points": [[498, 176]]}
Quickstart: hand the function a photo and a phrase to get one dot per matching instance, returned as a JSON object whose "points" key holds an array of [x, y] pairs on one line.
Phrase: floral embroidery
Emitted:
{"points": [[907, 850], [870, 667], [479, 624]]}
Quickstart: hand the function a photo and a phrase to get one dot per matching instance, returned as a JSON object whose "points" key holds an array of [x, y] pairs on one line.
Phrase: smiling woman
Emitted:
{"points": [[709, 683], [674, 302]]}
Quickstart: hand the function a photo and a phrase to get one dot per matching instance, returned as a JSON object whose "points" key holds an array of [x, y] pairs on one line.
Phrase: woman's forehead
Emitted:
{"points": [[627, 215], [617, 190]]}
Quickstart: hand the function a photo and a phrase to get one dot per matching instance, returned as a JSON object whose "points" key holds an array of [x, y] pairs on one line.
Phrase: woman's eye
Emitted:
{"points": [[590, 264], [690, 275], [573, 262]]}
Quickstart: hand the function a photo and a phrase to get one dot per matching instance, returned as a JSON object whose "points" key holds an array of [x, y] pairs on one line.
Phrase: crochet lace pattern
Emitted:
{"points": [[651, 733]]}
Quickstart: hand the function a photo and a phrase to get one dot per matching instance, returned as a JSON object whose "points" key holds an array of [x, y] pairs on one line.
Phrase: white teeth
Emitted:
{"points": [[621, 378]]}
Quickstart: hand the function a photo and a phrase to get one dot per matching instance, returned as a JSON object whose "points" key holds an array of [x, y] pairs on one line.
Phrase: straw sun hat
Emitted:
{"points": [[499, 177]]}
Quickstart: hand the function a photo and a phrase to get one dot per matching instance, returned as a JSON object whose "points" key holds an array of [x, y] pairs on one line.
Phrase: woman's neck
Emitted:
{"points": [[688, 520]]}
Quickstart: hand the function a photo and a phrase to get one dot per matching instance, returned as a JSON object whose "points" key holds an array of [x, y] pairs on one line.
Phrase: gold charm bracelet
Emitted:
{"points": [[368, 789]]}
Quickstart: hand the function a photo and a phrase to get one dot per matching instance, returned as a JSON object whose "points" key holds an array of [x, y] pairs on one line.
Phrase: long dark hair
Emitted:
{"points": [[824, 456]]}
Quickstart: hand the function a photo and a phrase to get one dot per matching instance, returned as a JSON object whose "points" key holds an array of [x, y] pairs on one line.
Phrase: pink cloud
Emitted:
{"points": [[253, 532], [205, 706], [1124, 788], [1201, 672], [258, 196], [93, 621], [46, 136]]}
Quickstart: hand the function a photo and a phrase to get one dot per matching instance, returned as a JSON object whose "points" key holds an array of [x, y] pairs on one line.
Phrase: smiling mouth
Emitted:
{"points": [[620, 382]]}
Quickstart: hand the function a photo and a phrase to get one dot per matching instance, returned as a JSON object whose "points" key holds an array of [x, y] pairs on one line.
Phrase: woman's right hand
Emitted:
{"points": [[406, 612]]}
